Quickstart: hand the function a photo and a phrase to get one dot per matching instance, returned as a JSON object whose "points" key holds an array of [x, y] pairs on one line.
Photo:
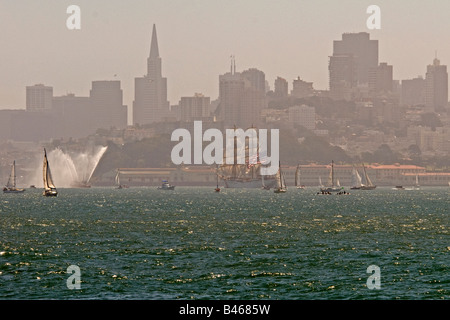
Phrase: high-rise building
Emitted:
{"points": [[436, 87], [74, 116], [281, 87], [301, 88], [413, 92], [194, 108], [381, 79], [364, 51], [39, 98], [107, 109], [256, 77], [241, 98], [150, 96], [342, 69]]}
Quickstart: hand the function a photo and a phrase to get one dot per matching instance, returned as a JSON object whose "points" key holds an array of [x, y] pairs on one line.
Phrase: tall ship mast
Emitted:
{"points": [[332, 186], [247, 175]]}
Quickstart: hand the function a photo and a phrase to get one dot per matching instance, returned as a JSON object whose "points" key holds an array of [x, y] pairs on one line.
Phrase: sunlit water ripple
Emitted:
{"points": [[193, 243]]}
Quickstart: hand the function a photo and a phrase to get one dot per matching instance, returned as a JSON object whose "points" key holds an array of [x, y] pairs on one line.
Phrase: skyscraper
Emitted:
{"points": [[413, 91], [242, 97], [364, 51], [194, 108], [301, 88], [381, 79], [106, 102], [150, 96], [281, 87], [436, 87], [342, 70], [39, 98]]}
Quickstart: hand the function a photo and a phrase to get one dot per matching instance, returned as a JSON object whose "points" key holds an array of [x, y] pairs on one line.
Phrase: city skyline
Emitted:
{"points": [[197, 51]]}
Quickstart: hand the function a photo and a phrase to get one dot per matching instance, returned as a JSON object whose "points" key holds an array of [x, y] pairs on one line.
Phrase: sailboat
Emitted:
{"points": [[49, 187], [332, 187], [217, 189], [367, 183], [117, 179], [416, 185], [320, 182], [248, 174], [264, 186], [297, 178], [11, 184], [356, 180], [281, 188]]}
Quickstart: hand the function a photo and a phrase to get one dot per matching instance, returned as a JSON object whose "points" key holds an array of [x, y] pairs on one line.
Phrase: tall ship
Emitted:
{"points": [[49, 186], [247, 175], [332, 185], [11, 184]]}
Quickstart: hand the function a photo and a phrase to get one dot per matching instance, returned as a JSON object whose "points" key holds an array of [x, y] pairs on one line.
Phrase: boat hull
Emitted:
{"points": [[50, 193], [167, 188]]}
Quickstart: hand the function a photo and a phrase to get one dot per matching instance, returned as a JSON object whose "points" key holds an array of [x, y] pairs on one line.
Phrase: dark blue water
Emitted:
{"points": [[193, 243]]}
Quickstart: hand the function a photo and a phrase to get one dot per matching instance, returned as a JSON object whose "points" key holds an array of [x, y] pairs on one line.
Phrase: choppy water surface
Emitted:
{"points": [[193, 243]]}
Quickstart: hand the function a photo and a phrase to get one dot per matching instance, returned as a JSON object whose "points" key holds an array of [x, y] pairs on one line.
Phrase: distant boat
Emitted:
{"points": [[297, 178], [49, 186], [217, 189], [117, 179], [332, 186], [366, 182], [11, 184], [356, 180], [166, 186], [245, 175], [399, 188], [417, 185], [281, 188]]}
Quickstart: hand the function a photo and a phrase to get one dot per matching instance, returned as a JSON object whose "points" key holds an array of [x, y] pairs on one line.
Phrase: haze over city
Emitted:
{"points": [[196, 38]]}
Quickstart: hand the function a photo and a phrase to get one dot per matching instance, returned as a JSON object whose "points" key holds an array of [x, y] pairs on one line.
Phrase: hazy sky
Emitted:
{"points": [[287, 38]]}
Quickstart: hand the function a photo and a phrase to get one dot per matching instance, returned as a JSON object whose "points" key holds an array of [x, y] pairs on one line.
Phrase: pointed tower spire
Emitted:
{"points": [[154, 51]]}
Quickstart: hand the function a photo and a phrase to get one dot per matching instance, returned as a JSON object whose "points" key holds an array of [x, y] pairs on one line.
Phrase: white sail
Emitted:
{"points": [[117, 178], [297, 176], [48, 180], [331, 177], [12, 177], [281, 182], [366, 180], [356, 178]]}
